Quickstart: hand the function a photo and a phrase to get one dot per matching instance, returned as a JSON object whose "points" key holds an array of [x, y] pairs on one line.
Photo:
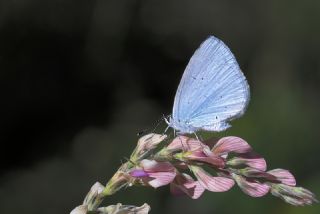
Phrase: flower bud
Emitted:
{"points": [[95, 190], [146, 144], [82, 209], [297, 196], [124, 209]]}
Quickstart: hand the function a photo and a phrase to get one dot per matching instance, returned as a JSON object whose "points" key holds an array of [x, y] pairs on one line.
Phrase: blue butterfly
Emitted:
{"points": [[213, 90]]}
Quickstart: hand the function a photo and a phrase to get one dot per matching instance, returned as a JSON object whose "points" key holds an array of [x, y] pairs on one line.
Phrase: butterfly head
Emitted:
{"points": [[181, 126]]}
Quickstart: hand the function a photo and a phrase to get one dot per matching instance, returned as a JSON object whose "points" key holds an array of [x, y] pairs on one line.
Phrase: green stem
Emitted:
{"points": [[116, 183]]}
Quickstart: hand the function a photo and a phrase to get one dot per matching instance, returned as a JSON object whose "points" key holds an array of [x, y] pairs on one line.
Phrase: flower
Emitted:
{"points": [[154, 173], [242, 150], [194, 150], [146, 144], [287, 191], [256, 183], [279, 182]]}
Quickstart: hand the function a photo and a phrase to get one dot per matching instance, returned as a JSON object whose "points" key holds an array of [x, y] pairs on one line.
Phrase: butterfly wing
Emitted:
{"points": [[212, 91]]}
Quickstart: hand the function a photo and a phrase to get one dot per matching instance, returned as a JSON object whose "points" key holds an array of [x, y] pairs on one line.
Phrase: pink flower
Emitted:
{"points": [[194, 150], [184, 184], [257, 183], [243, 153], [154, 173], [211, 183]]}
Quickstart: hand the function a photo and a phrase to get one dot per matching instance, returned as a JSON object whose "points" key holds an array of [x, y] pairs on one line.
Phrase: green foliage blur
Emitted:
{"points": [[277, 44]]}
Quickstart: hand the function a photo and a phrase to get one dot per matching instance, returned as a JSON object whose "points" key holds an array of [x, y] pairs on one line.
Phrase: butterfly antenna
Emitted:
{"points": [[195, 134], [140, 133], [199, 137], [158, 123], [165, 118], [165, 131]]}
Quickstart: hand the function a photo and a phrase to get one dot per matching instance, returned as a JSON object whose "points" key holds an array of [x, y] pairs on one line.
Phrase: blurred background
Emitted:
{"points": [[79, 79]]}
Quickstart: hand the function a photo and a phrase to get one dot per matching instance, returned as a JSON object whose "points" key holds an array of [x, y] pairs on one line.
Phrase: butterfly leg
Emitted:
{"points": [[199, 138], [182, 145], [165, 131], [195, 134]]}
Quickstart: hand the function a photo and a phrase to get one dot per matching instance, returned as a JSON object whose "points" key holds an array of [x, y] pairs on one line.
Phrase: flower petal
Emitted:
{"points": [[200, 156], [251, 159], [185, 143], [160, 173], [214, 184], [284, 176], [146, 144], [251, 187], [150, 141], [231, 144], [154, 166], [158, 179], [92, 195]]}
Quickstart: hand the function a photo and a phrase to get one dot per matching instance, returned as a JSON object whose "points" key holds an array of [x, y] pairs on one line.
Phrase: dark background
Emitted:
{"points": [[79, 79]]}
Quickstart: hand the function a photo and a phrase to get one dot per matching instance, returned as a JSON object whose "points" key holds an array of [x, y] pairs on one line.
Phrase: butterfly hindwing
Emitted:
{"points": [[212, 91]]}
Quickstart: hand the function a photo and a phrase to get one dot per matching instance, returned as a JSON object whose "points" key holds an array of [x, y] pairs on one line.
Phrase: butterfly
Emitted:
{"points": [[212, 91]]}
